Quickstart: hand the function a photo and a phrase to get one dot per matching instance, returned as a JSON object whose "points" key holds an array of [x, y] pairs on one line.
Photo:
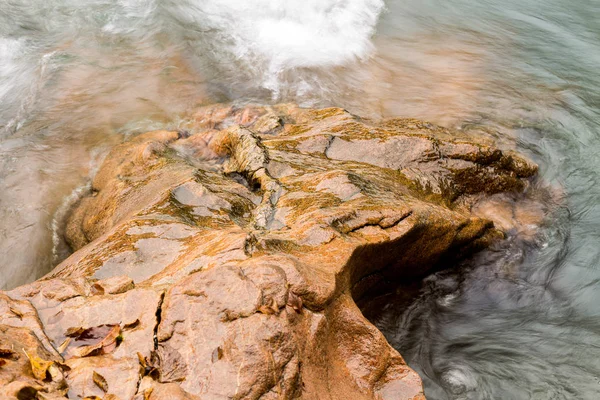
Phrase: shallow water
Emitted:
{"points": [[518, 322]]}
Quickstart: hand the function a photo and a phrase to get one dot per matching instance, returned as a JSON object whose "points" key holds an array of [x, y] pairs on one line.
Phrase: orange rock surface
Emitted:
{"points": [[229, 260]]}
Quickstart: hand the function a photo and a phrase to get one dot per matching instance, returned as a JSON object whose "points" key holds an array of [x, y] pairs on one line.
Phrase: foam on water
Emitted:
{"points": [[252, 45], [460, 380], [272, 37], [9, 50], [14, 75], [299, 34]]}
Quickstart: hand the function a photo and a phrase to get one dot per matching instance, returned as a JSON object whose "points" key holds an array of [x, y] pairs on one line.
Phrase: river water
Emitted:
{"points": [[521, 321]]}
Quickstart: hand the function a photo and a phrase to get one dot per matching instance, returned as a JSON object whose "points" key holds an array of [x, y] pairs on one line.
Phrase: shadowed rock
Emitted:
{"points": [[229, 261]]}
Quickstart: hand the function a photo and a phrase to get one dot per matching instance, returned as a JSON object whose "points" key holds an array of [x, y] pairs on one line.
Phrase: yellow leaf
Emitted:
{"points": [[39, 367], [148, 393]]}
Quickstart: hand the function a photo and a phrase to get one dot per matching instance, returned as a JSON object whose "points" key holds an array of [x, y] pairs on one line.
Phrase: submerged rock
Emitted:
{"points": [[226, 264]]}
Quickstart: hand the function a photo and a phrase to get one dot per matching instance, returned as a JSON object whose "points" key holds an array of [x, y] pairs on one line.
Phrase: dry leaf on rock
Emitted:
{"points": [[100, 381], [165, 364], [84, 351], [112, 340], [16, 312], [269, 309], [39, 366], [75, 332], [142, 360], [148, 393], [64, 345], [56, 373], [148, 365], [217, 354], [102, 341], [172, 366]]}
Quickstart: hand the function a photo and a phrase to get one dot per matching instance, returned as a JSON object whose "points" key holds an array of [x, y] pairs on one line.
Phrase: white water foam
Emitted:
{"points": [[275, 36], [9, 52], [14, 77]]}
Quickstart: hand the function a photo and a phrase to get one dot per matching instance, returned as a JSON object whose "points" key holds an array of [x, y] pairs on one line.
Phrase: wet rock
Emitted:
{"points": [[121, 375], [153, 390], [227, 263], [113, 285]]}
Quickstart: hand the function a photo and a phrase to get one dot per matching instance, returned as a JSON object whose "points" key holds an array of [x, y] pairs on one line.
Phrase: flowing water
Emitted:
{"points": [[521, 321]]}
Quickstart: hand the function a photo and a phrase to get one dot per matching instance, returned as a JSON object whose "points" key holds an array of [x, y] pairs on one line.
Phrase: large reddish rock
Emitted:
{"points": [[226, 263]]}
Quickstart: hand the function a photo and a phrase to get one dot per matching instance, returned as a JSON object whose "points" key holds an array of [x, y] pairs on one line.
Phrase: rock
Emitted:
{"points": [[227, 263], [113, 285]]}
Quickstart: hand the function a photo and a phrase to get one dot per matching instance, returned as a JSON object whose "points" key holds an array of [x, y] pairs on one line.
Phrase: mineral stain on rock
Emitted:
{"points": [[230, 261]]}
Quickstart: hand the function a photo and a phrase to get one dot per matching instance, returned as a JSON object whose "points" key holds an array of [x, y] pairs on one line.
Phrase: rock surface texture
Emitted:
{"points": [[226, 263]]}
